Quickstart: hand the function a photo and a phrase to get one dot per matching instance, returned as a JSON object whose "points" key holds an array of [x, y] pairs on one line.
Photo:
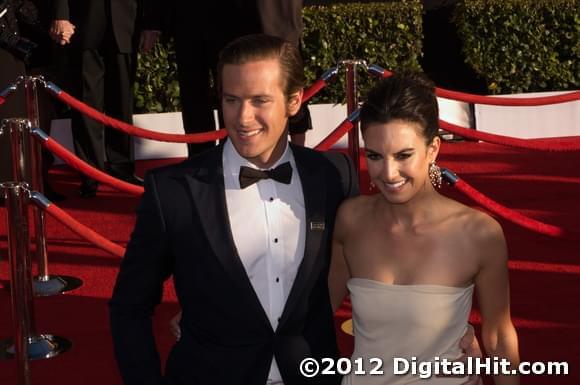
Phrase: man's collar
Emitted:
{"points": [[232, 160]]}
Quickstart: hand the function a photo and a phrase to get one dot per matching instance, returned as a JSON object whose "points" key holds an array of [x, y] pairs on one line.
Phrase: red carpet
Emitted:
{"points": [[545, 272]]}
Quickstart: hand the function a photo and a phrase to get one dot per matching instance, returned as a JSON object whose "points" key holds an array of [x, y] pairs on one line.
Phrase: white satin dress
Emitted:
{"points": [[405, 321]]}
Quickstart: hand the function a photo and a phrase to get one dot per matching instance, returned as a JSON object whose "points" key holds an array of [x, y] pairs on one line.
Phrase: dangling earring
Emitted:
{"points": [[435, 175]]}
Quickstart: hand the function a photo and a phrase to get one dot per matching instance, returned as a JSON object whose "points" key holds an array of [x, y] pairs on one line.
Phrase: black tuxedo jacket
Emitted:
{"points": [[183, 229]]}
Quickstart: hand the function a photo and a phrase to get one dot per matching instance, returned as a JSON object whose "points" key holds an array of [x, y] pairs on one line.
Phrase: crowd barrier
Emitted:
{"points": [[19, 195], [27, 344]]}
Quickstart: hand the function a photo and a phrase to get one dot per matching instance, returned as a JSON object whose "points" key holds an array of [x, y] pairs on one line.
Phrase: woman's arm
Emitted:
{"points": [[492, 286], [339, 272]]}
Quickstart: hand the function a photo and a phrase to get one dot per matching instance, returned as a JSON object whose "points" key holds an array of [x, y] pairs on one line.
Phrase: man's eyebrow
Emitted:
{"points": [[267, 96]]}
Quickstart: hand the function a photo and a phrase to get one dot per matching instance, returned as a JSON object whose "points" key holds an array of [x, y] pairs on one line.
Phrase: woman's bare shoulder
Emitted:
{"points": [[353, 206], [353, 210], [474, 223]]}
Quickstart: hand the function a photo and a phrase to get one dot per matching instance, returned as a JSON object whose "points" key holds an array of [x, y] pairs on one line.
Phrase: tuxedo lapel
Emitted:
{"points": [[206, 184], [313, 182]]}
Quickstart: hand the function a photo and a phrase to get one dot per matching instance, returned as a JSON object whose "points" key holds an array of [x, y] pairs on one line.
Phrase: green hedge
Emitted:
{"points": [[515, 45], [387, 34], [156, 86], [522, 45]]}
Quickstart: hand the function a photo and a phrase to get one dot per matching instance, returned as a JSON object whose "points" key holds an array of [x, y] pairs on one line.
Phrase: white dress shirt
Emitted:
{"points": [[267, 222]]}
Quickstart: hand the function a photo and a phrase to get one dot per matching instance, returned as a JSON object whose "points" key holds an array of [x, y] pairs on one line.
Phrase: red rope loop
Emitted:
{"points": [[149, 134], [9, 90], [504, 101], [511, 215], [88, 170], [334, 136], [564, 144], [491, 100], [313, 90], [137, 131], [83, 231]]}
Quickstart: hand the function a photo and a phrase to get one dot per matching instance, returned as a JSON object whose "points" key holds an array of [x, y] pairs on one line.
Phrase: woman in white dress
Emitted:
{"points": [[410, 257]]}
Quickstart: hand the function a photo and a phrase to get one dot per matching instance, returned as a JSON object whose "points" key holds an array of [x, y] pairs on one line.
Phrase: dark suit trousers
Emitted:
{"points": [[195, 57], [105, 79], [197, 47]]}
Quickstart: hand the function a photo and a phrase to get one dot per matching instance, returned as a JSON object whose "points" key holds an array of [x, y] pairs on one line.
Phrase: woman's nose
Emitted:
{"points": [[390, 171]]}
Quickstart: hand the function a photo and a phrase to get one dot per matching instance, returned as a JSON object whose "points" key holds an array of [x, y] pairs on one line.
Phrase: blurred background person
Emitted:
{"points": [[21, 33], [283, 18], [102, 57], [199, 37], [198, 44]]}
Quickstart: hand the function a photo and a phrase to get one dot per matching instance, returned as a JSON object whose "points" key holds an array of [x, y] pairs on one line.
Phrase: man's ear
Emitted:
{"points": [[294, 102]]}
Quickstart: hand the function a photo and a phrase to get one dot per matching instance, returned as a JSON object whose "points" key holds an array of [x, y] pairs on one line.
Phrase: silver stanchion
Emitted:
{"points": [[44, 284], [21, 294], [27, 344], [20, 133], [351, 106]]}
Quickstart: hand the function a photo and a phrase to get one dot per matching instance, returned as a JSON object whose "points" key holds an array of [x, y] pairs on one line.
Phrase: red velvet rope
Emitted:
{"points": [[559, 145], [159, 136], [502, 101], [84, 231], [86, 169], [514, 216], [9, 90], [137, 131], [335, 136], [313, 90], [564, 144]]}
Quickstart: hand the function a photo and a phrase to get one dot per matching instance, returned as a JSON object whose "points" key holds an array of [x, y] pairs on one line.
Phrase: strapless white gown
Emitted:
{"points": [[405, 321]]}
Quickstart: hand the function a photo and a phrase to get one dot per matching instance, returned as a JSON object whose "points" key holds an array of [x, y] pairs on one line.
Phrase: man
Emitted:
{"points": [[245, 229], [102, 37], [250, 264]]}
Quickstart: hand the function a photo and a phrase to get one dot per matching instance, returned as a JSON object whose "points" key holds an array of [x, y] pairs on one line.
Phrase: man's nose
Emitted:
{"points": [[246, 113]]}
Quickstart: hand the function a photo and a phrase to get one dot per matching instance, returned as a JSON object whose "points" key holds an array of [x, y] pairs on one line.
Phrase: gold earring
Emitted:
{"points": [[435, 175]]}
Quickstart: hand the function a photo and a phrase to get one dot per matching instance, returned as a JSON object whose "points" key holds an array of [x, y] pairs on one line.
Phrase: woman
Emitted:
{"points": [[411, 257]]}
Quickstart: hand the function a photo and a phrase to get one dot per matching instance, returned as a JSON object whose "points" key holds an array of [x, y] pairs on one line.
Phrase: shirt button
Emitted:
{"points": [[275, 240], [277, 279], [271, 199]]}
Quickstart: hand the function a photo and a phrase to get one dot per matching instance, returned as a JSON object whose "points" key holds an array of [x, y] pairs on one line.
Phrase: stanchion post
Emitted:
{"points": [[20, 275], [27, 344], [36, 177], [44, 284], [14, 127], [351, 106]]}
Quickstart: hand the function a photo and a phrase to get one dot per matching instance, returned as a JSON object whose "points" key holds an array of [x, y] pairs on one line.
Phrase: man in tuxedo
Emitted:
{"points": [[245, 229], [102, 36]]}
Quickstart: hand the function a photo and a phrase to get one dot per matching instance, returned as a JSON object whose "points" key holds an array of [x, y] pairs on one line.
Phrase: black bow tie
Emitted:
{"points": [[249, 176]]}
